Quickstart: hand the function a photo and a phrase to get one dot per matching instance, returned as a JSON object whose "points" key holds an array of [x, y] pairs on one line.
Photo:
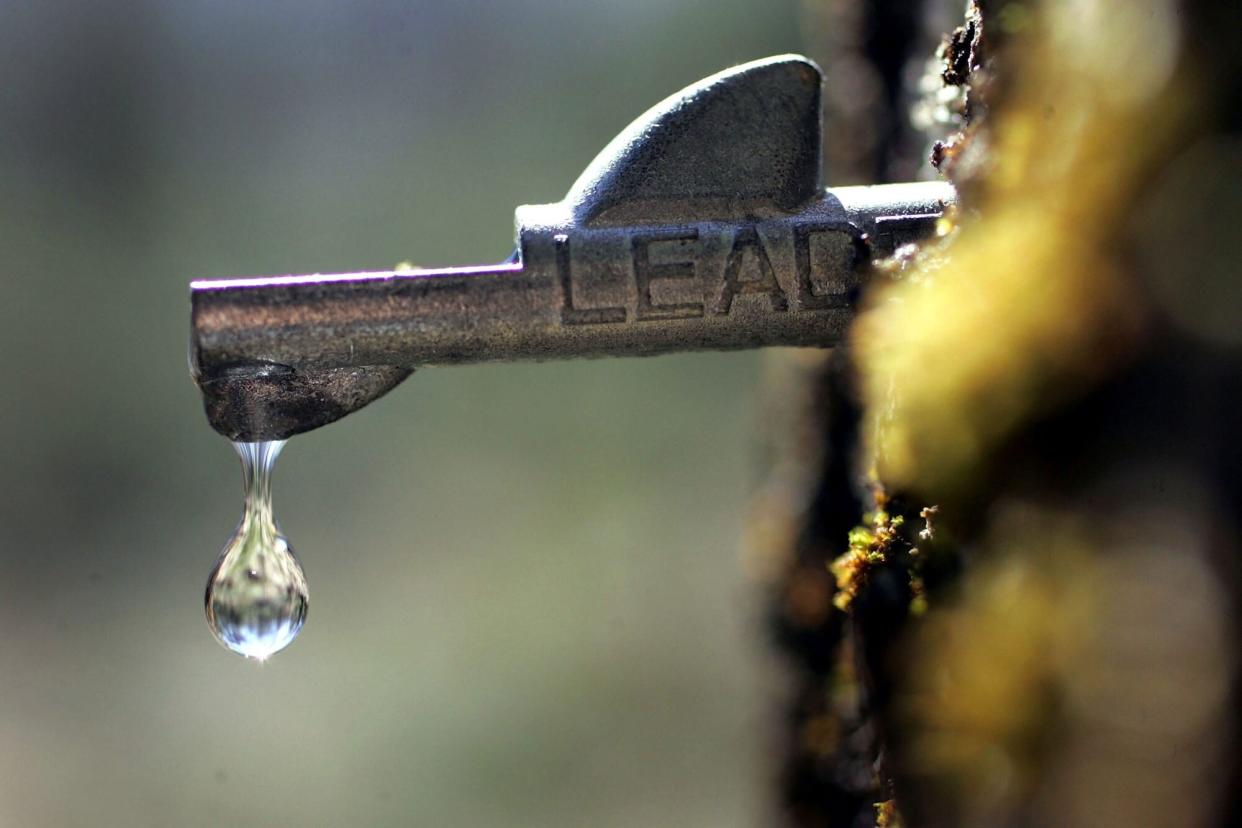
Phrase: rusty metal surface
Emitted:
{"points": [[704, 225]]}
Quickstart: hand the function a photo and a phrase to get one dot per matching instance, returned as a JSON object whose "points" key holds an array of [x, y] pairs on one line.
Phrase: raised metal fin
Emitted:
{"points": [[741, 143]]}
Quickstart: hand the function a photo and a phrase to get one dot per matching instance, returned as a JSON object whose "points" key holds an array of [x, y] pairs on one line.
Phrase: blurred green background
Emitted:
{"points": [[526, 601]]}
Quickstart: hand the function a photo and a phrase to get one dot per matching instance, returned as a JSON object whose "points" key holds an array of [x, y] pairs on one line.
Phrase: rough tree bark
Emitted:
{"points": [[1001, 534]]}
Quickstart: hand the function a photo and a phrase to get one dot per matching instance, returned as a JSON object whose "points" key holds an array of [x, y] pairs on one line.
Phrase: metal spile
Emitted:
{"points": [[704, 225]]}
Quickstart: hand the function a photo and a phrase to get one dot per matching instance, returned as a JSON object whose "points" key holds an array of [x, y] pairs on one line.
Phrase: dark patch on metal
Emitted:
{"points": [[274, 402]]}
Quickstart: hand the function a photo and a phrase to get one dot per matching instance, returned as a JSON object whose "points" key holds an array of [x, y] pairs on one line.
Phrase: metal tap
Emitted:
{"points": [[704, 225]]}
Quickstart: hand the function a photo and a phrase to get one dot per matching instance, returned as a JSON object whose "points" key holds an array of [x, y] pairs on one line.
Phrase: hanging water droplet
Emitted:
{"points": [[256, 595]]}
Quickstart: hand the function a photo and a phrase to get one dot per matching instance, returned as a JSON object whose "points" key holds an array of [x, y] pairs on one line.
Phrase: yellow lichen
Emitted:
{"points": [[1026, 303], [869, 546], [886, 814]]}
